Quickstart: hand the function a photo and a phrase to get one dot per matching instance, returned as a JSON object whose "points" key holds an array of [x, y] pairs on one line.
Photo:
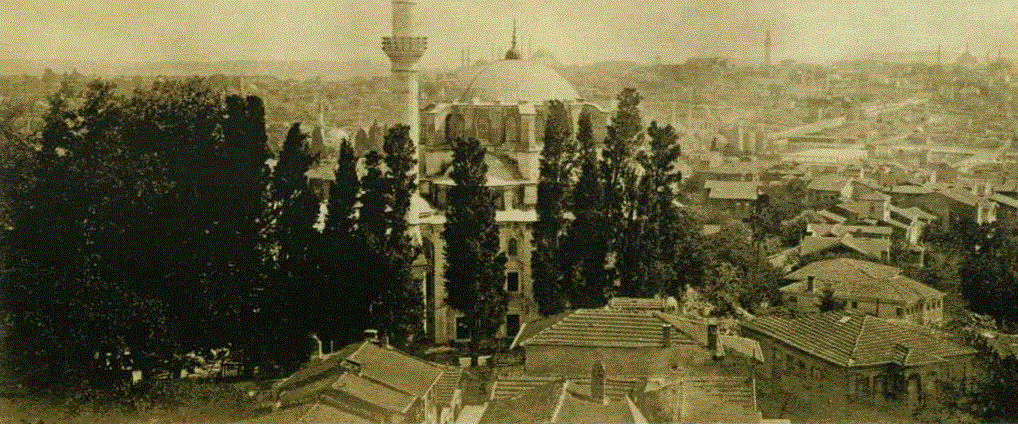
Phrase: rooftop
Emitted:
{"points": [[830, 182], [860, 279], [855, 340], [560, 401], [512, 81], [605, 328], [732, 190]]}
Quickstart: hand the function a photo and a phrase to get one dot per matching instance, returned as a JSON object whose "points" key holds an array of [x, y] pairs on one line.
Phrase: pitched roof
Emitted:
{"points": [[821, 230], [860, 279], [829, 182], [384, 377], [867, 246], [718, 399], [446, 386], [854, 340], [1006, 200], [616, 388], [732, 190], [559, 401], [309, 413], [605, 328], [960, 196]]}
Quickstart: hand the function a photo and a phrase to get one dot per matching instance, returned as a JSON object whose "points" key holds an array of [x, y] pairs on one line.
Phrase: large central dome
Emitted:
{"points": [[512, 81]]}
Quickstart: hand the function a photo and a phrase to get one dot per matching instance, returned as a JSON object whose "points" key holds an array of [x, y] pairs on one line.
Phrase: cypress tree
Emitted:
{"points": [[345, 254], [546, 263], [399, 305], [474, 269], [619, 180], [586, 241]]}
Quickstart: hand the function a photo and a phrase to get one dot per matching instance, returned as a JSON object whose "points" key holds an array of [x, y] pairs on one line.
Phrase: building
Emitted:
{"points": [[824, 191], [505, 106], [865, 287], [367, 382], [836, 360], [735, 198]]}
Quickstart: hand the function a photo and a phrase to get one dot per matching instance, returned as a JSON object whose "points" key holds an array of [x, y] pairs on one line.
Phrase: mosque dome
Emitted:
{"points": [[512, 81]]}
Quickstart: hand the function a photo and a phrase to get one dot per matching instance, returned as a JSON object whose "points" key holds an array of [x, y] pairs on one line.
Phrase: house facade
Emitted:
{"points": [[835, 360]]}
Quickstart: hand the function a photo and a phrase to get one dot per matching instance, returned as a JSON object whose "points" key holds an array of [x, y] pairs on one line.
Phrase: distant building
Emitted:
{"points": [[735, 198], [824, 191], [866, 287]]}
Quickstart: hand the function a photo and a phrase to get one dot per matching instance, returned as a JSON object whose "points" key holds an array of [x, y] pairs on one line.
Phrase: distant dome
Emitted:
{"points": [[512, 81]]}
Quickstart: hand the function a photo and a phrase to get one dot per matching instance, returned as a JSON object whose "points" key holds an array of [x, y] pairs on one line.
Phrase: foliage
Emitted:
{"points": [[989, 270], [475, 270], [828, 302], [547, 260], [585, 244]]}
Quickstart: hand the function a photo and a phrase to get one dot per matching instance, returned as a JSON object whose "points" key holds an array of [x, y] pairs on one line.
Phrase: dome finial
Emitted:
{"points": [[512, 54]]}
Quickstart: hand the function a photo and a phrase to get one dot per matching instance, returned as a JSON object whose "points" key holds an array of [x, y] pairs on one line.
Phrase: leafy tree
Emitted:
{"points": [[988, 273], [585, 244], [828, 302], [546, 263], [475, 270]]}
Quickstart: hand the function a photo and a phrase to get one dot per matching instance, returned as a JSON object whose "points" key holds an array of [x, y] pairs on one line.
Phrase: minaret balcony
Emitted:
{"points": [[404, 47]]}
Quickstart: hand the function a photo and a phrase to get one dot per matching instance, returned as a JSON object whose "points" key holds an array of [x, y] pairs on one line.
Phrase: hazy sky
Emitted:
{"points": [[574, 30]]}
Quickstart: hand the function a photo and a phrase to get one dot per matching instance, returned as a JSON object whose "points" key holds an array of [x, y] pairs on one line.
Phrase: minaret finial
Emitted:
{"points": [[512, 54]]}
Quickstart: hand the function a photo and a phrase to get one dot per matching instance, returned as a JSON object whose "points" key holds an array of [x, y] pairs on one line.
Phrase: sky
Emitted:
{"points": [[575, 31]]}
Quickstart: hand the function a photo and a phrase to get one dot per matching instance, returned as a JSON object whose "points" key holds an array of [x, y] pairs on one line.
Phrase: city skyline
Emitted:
{"points": [[574, 31]]}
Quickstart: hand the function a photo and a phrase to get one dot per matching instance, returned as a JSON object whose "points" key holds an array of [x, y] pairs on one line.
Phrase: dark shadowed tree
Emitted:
{"points": [[619, 178], [475, 270], [586, 242], [546, 263]]}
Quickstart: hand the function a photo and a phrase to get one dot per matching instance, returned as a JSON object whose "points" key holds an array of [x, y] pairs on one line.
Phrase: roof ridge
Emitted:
{"points": [[855, 344]]}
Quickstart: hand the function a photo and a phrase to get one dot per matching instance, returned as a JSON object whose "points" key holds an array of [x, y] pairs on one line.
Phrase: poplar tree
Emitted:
{"points": [[475, 270]]}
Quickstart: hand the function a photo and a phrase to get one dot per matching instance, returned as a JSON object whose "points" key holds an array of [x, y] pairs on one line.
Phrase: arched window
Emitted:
{"points": [[454, 125], [510, 247], [483, 127], [511, 128]]}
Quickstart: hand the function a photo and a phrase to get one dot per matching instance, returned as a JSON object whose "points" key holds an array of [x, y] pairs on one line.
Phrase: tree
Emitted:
{"points": [[828, 302], [398, 309], [619, 178], [546, 263], [989, 270], [345, 255], [475, 270], [585, 244]]}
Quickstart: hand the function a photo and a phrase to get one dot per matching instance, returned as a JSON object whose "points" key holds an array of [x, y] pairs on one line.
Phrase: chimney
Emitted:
{"points": [[810, 286], [371, 335], [712, 334], [666, 333], [598, 378]]}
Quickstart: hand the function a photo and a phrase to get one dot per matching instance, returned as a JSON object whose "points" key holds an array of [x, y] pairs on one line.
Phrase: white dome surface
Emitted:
{"points": [[512, 81]]}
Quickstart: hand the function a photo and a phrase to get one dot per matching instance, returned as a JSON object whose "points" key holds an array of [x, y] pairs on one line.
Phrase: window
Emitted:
{"points": [[512, 281], [511, 128], [791, 299], [855, 305], [483, 126], [510, 247], [899, 312], [462, 328], [454, 125], [499, 200], [512, 325]]}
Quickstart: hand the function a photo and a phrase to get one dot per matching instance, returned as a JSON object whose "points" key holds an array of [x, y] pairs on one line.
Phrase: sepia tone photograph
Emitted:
{"points": [[508, 211]]}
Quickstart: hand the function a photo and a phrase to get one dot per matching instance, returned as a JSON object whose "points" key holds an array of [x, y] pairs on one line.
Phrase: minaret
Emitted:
{"points": [[404, 50], [767, 52]]}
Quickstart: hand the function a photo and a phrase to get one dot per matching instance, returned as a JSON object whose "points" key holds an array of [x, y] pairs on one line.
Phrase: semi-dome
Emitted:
{"points": [[512, 81]]}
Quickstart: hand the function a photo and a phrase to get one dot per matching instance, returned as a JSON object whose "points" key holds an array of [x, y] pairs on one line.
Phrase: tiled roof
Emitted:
{"points": [[718, 399], [1005, 200], [606, 328], [316, 412], [866, 246], [396, 369], [841, 229], [732, 190], [858, 208], [446, 386], [860, 279], [558, 401], [831, 216], [383, 377], [830, 182], [533, 406], [851, 339], [616, 388]]}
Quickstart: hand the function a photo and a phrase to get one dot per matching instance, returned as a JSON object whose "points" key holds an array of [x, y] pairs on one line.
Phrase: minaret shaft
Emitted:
{"points": [[404, 50]]}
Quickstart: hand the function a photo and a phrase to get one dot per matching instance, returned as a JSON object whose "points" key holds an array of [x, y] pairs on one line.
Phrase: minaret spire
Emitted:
{"points": [[512, 54]]}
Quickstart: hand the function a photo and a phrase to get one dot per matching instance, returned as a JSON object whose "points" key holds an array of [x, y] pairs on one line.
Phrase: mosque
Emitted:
{"points": [[505, 107]]}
